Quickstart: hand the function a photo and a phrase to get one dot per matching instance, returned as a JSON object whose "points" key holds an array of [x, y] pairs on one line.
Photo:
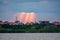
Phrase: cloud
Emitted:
{"points": [[41, 8], [25, 17]]}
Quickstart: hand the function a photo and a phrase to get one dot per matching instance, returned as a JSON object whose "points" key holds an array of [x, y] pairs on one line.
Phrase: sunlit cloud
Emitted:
{"points": [[32, 17], [25, 17], [21, 16]]}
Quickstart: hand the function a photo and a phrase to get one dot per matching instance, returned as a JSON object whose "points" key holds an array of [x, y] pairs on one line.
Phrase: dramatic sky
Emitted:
{"points": [[44, 9]]}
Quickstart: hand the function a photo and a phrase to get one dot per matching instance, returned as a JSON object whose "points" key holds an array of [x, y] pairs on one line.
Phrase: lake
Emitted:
{"points": [[29, 36]]}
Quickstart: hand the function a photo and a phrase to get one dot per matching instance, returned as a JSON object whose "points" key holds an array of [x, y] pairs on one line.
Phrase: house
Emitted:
{"points": [[56, 23]]}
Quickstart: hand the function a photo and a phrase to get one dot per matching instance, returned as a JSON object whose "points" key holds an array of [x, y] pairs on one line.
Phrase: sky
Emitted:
{"points": [[45, 10]]}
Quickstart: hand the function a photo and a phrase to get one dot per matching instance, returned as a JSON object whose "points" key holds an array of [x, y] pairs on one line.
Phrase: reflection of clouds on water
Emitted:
{"points": [[30, 36]]}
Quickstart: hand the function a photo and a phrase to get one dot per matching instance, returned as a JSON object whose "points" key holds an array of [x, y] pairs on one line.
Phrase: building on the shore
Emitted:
{"points": [[56, 23], [44, 22], [1, 22]]}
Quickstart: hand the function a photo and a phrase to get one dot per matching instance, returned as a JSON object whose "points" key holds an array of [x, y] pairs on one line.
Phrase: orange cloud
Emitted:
{"points": [[26, 17], [21, 16], [32, 17]]}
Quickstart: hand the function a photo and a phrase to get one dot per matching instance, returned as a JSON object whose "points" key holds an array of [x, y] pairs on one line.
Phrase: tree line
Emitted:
{"points": [[30, 28]]}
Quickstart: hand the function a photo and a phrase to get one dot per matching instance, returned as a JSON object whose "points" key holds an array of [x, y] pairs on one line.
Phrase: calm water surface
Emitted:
{"points": [[29, 36]]}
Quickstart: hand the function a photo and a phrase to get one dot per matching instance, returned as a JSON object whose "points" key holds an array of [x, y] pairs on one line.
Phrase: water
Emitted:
{"points": [[29, 36]]}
